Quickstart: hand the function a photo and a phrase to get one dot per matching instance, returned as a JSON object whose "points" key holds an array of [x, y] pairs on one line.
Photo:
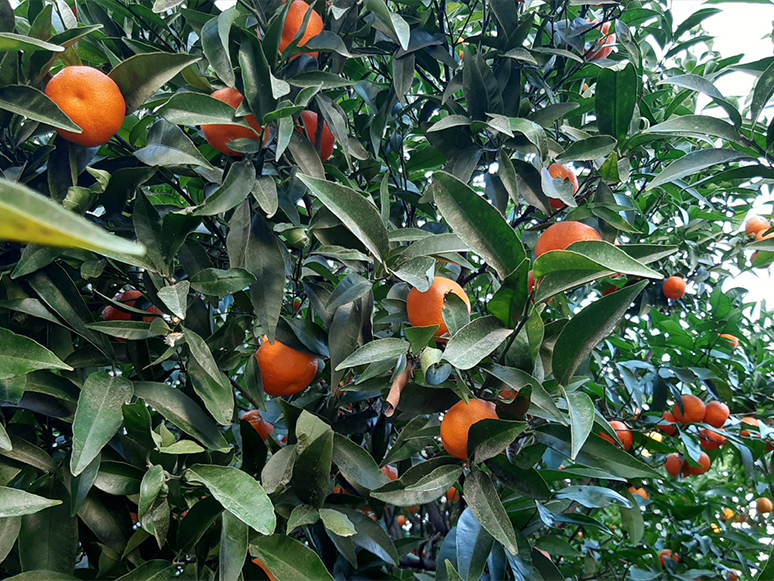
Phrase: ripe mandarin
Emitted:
{"points": [[285, 371], [426, 309], [604, 45], [674, 288], [716, 414], [623, 432], [309, 122], [757, 224], [665, 555], [452, 495], [402, 520], [711, 440], [558, 170], [457, 423], [704, 465], [564, 234], [669, 429], [264, 428], [731, 339], [219, 136], [693, 410], [92, 100], [750, 422], [673, 464], [390, 472], [764, 505], [295, 20], [265, 570], [641, 492]]}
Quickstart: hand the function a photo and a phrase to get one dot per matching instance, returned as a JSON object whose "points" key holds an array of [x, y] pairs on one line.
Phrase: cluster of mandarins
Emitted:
{"points": [[692, 410], [93, 101]]}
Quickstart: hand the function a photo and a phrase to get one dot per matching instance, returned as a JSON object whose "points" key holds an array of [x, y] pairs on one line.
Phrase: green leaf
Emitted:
{"points": [[21, 355], [475, 341], [396, 493], [356, 464], [40, 574], [355, 211], [693, 163], [98, 416], [517, 379], [397, 25], [697, 126], [762, 93], [616, 96], [175, 298], [265, 259], [488, 438], [477, 223], [419, 272], [130, 330], [9, 532], [595, 453], [235, 188], [35, 105], [337, 522], [31, 218], [182, 411], [631, 518], [155, 570], [168, 145], [238, 493], [49, 538], [589, 149], [483, 500], [441, 478], [194, 109], [209, 382], [482, 93], [10, 42], [375, 351], [302, 515], [593, 496], [474, 544], [141, 75], [150, 487], [372, 537], [586, 329], [508, 303], [234, 536], [581, 411], [220, 283], [289, 560], [14, 502]]}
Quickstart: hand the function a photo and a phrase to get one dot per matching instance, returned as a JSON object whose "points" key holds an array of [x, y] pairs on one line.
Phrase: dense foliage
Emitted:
{"points": [[125, 375]]}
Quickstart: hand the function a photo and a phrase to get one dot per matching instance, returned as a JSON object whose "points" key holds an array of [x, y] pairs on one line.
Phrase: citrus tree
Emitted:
{"points": [[371, 290]]}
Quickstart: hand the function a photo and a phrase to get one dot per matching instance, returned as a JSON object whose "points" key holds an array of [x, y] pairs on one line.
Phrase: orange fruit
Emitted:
{"points": [[604, 45], [558, 170], [674, 288], [390, 472], [219, 136], [669, 430], [761, 235], [716, 414], [264, 428], [665, 555], [426, 309], [562, 235], [728, 514], [764, 505], [457, 423], [402, 520], [129, 298], [452, 495], [92, 100], [704, 465], [693, 408], [623, 432], [641, 492], [309, 122], [265, 570], [285, 371], [412, 509], [710, 440], [673, 464], [295, 20], [531, 282], [609, 291], [750, 422], [731, 338], [757, 224]]}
